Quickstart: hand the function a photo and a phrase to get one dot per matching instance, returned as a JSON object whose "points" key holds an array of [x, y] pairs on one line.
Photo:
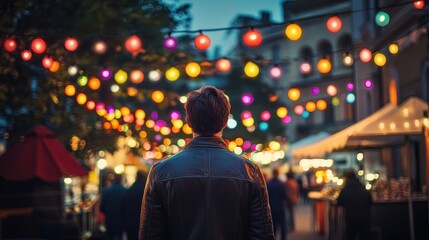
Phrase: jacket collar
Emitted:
{"points": [[206, 141]]}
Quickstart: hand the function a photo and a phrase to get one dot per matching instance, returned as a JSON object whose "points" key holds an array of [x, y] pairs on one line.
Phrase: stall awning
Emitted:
{"points": [[40, 155], [406, 121], [338, 140]]}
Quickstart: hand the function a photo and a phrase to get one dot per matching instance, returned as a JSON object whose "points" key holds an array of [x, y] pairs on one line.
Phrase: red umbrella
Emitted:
{"points": [[39, 155]]}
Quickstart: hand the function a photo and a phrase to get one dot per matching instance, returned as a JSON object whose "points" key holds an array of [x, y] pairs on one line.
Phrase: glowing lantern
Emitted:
{"points": [[223, 65], [137, 76], [71, 44], [38, 45], [70, 90], [368, 84], [265, 116], [248, 122], [379, 59], [382, 18], [187, 129], [105, 74], [247, 99], [293, 32], [154, 75], [310, 106], [324, 66], [347, 59], [132, 91], [287, 120], [175, 115], [26, 55], [55, 66], [140, 114], [133, 44], [90, 105], [334, 24], [393, 48], [157, 96], [305, 68], [170, 43], [9, 45], [251, 69], [350, 98], [202, 42], [419, 4], [82, 80], [321, 105], [315, 91], [350, 86], [100, 47], [275, 72], [121, 76], [81, 98], [299, 109], [72, 70], [125, 111], [294, 94], [47, 62], [94, 83], [365, 55], [172, 74], [331, 90], [281, 112], [246, 114], [193, 69], [252, 38]]}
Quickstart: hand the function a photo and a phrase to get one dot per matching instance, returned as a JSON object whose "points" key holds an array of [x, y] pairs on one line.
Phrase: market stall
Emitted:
{"points": [[30, 181], [395, 133]]}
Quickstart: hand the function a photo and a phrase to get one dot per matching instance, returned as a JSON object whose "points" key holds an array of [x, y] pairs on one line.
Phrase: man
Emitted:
{"points": [[292, 190], [357, 202], [110, 206], [205, 191], [131, 205], [278, 199]]}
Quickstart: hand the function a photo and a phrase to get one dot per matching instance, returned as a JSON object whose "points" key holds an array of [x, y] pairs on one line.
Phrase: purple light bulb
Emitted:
{"points": [[105, 74], [170, 43]]}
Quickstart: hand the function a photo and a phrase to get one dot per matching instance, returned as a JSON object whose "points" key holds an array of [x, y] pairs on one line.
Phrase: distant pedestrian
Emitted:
{"points": [[110, 206], [357, 202], [278, 198], [205, 191], [131, 205], [292, 189]]}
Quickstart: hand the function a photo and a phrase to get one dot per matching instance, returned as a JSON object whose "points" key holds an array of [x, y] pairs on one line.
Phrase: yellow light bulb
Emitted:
{"points": [[324, 66], [193, 69], [380, 59], [172, 74], [293, 32], [121, 76], [251, 69]]}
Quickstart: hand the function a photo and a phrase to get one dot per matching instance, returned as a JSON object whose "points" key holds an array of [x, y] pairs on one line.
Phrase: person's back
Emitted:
{"points": [[111, 202], [205, 191], [357, 202], [131, 206], [278, 198]]}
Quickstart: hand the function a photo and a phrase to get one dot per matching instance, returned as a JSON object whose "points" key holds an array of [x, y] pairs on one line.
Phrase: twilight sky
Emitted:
{"points": [[220, 13]]}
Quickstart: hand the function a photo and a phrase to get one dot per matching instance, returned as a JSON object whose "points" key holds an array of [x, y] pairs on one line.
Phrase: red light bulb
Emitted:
{"points": [[202, 42], [26, 55], [71, 44], [133, 44], [252, 38], [47, 62], [9, 45], [38, 45]]}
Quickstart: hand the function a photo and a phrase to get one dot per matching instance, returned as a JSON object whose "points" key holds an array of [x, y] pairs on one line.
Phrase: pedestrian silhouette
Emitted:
{"points": [[357, 202], [110, 206], [131, 205], [278, 199]]}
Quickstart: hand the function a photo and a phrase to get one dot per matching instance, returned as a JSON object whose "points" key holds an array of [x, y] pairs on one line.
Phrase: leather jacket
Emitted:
{"points": [[205, 192]]}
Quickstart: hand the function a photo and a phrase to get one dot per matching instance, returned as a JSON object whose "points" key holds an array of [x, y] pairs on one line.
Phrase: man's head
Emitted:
{"points": [[207, 110]]}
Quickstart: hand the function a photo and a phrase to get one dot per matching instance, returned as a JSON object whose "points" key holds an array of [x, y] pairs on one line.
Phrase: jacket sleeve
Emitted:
{"points": [[153, 223], [260, 220]]}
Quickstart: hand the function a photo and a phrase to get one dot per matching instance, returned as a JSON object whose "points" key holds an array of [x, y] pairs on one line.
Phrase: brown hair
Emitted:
{"points": [[207, 110]]}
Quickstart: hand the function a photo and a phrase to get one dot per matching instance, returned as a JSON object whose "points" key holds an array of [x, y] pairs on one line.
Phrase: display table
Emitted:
{"points": [[390, 220]]}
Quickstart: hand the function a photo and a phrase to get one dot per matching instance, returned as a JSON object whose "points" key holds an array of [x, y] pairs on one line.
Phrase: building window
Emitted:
{"points": [[275, 50], [306, 62]]}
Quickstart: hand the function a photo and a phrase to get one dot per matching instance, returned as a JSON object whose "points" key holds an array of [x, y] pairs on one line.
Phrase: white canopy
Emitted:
{"points": [[406, 121], [388, 121], [339, 139]]}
